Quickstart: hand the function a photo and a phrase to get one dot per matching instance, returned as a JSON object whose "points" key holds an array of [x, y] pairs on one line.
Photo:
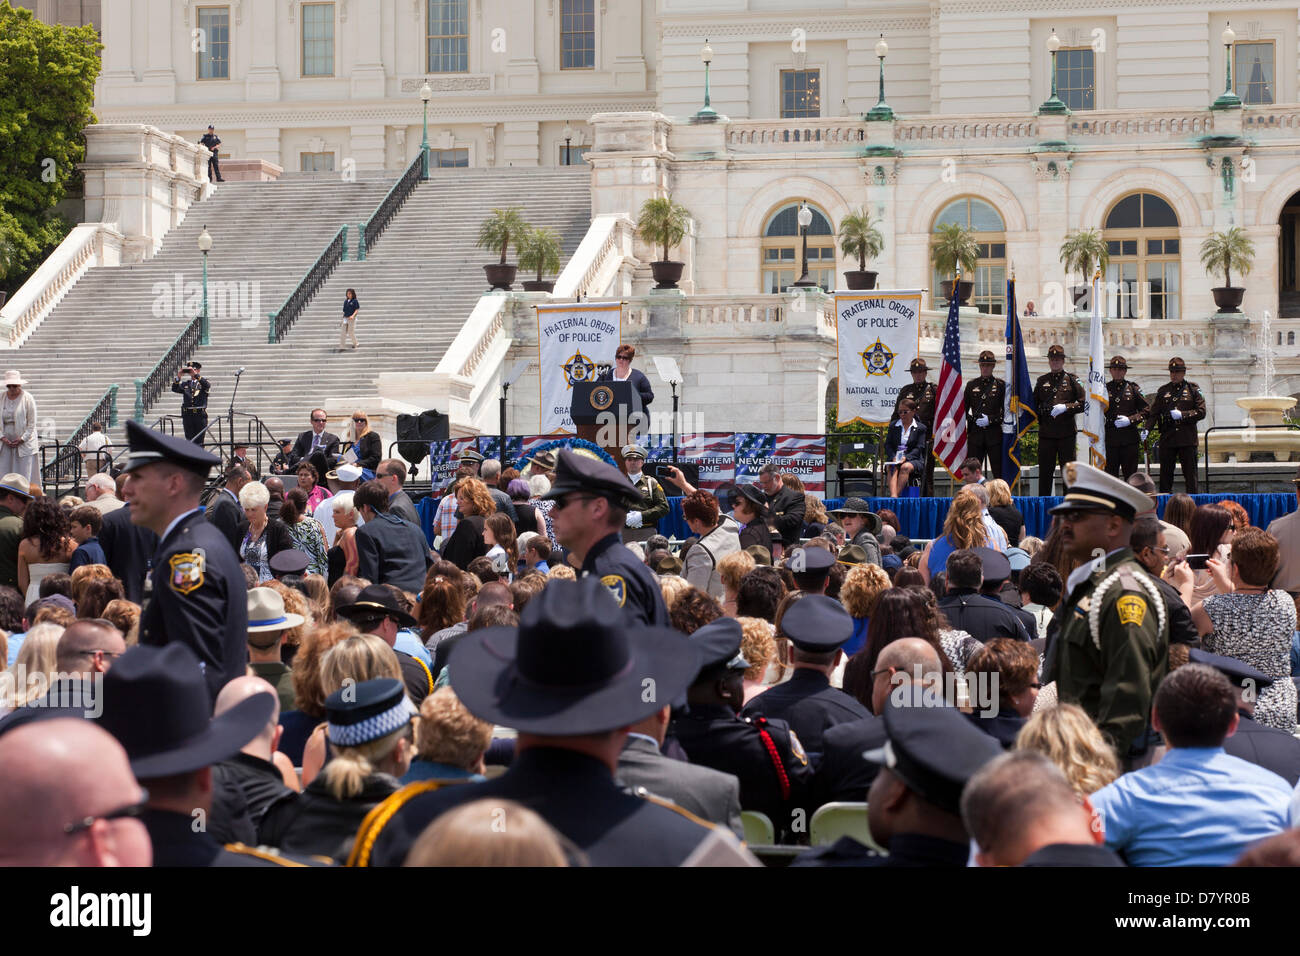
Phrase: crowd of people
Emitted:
{"points": [[547, 680]]}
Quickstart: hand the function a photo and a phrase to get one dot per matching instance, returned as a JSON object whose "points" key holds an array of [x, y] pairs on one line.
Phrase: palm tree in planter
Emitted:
{"points": [[955, 246], [663, 223], [505, 227], [1221, 252], [539, 251], [861, 240], [1079, 252]]}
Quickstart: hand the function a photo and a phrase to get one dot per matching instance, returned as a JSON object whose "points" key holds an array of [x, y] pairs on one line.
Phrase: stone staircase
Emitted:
{"points": [[114, 324]]}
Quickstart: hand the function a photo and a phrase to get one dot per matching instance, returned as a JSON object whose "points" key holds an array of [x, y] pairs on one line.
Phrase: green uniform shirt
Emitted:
{"points": [[1113, 648], [654, 501], [11, 535]]}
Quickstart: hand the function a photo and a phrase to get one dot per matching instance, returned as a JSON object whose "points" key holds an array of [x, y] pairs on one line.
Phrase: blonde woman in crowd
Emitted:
{"points": [[758, 646], [673, 586], [1069, 738], [34, 667], [733, 569], [962, 528], [491, 833], [450, 742]]}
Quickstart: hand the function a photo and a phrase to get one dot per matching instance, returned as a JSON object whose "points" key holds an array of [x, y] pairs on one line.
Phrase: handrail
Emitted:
{"points": [[105, 412], [149, 388], [80, 250], [374, 227], [1205, 442], [281, 320]]}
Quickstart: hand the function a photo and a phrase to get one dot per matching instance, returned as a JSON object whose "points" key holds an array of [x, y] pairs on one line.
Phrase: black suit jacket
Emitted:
{"points": [[915, 450], [981, 617], [228, 517], [302, 447], [809, 704], [1268, 747], [128, 549], [392, 551], [639, 382], [842, 774]]}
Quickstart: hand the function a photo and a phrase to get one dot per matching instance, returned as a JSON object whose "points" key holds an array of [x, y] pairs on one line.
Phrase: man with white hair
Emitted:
{"points": [[69, 798], [101, 494]]}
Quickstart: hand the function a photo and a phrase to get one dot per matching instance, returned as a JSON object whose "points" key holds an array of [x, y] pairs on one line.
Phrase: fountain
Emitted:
{"points": [[1265, 409]]}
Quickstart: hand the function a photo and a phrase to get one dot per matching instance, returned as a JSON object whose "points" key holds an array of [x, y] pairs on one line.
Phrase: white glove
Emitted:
{"points": [[982, 421], [634, 519], [1058, 409], [1176, 415], [1121, 421]]}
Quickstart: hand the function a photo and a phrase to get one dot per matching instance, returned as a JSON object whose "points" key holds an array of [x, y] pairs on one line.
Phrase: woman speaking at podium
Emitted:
{"points": [[624, 372]]}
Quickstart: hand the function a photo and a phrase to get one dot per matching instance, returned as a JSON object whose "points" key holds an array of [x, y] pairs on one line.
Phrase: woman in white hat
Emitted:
{"points": [[17, 428]]}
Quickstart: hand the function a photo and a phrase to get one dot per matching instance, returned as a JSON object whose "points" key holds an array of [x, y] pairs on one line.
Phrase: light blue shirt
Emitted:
{"points": [[408, 642], [15, 645], [1196, 807]]}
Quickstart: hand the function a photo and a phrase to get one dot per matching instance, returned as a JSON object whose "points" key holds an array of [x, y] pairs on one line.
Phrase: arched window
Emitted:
{"points": [[990, 278], [1141, 233], [782, 249]]}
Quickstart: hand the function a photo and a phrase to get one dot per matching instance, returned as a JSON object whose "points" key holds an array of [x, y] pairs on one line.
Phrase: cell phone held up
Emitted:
{"points": [[1197, 562]]}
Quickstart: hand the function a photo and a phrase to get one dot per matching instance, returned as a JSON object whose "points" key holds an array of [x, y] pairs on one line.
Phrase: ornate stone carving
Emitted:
{"points": [[491, 149], [449, 84]]}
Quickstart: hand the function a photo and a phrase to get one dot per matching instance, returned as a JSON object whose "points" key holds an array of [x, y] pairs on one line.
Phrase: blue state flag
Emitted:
{"points": [[1018, 412]]}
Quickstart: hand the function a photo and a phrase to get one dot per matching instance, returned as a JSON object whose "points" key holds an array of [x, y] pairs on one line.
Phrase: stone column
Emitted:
{"points": [[118, 74], [263, 83], [159, 77], [368, 78]]}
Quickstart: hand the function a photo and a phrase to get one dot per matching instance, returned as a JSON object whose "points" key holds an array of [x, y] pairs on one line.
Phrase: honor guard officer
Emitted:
{"points": [[817, 627], [763, 753], [1179, 405], [926, 395], [1127, 409], [571, 679], [194, 400], [914, 804], [196, 594], [1112, 649], [1059, 397], [984, 400], [643, 523], [592, 500]]}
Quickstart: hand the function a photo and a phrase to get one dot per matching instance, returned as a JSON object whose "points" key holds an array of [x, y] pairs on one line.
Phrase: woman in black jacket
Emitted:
{"points": [[751, 513], [367, 445], [473, 504]]}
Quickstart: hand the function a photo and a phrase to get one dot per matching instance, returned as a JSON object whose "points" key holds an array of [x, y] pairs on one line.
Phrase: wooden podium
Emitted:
{"points": [[599, 405]]}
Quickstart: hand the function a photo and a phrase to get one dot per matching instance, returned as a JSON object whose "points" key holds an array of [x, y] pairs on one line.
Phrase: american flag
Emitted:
{"points": [[950, 409]]}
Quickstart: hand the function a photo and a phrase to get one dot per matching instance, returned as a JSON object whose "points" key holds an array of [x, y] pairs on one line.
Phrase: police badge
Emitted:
{"points": [[186, 571], [877, 359]]}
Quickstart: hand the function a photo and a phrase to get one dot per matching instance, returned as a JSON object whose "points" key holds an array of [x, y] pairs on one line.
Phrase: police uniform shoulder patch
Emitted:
{"points": [[617, 587], [1132, 609], [796, 748], [186, 571]]}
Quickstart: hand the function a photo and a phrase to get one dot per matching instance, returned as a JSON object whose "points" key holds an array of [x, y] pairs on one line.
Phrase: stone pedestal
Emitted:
{"points": [[1231, 335]]}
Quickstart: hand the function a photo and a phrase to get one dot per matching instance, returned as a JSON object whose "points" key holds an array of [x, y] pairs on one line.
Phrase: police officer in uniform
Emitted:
{"points": [[571, 678], [194, 401], [1059, 397], [984, 399], [1127, 409], [196, 593], [926, 395], [643, 523], [817, 627], [1112, 649], [914, 804], [1268, 747], [1179, 405], [212, 141], [763, 753], [592, 500]]}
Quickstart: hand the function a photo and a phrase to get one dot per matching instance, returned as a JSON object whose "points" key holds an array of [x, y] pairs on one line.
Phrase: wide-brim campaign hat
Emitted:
{"points": [[760, 555], [376, 599], [1177, 365], [1091, 489], [852, 554], [543, 459], [918, 365], [985, 357], [14, 377], [16, 484], [345, 473], [1118, 362], [1056, 351], [156, 703], [266, 611], [575, 665]]}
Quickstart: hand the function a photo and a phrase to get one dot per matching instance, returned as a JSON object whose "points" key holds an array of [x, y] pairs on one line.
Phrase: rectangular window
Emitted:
{"points": [[1076, 78], [1252, 72], [316, 162], [448, 37], [801, 93], [214, 43], [318, 39], [575, 155], [578, 35], [448, 158]]}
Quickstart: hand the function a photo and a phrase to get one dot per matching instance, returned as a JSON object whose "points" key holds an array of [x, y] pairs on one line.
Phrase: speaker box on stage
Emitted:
{"points": [[690, 471], [414, 432]]}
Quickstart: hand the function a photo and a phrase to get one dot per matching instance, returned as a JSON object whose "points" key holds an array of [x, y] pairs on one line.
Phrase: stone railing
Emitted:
{"points": [[596, 263], [734, 310], [85, 246], [797, 132], [1015, 127], [1092, 125], [1258, 119]]}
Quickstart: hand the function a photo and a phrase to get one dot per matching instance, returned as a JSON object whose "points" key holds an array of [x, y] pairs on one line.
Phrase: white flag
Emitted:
{"points": [[1094, 412]]}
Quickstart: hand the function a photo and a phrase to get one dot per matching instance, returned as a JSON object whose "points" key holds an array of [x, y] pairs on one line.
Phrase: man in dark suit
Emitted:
{"points": [[996, 570], [966, 610], [128, 550], [1268, 747], [313, 440], [624, 372], [785, 506], [709, 794], [225, 512], [392, 472], [817, 626], [391, 551], [905, 447], [570, 680], [199, 597]]}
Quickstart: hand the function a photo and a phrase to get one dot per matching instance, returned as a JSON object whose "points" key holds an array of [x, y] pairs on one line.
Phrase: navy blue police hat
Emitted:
{"points": [[934, 751], [289, 561], [360, 713], [719, 643], [994, 565], [156, 704], [1236, 671], [817, 623], [573, 665], [577, 472], [149, 447], [810, 560]]}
